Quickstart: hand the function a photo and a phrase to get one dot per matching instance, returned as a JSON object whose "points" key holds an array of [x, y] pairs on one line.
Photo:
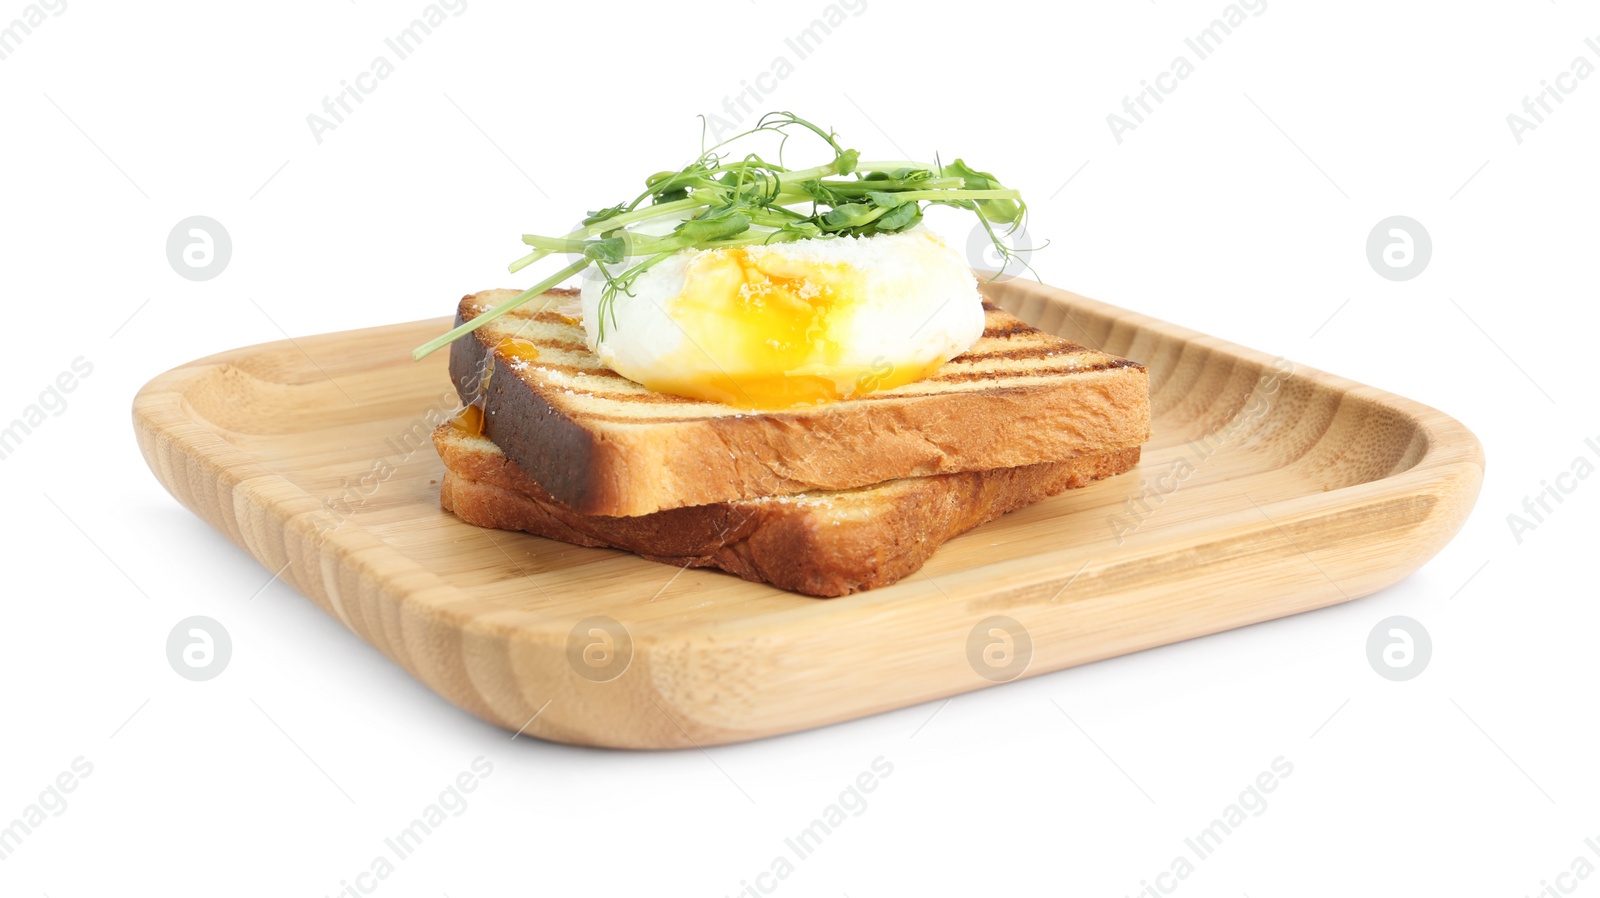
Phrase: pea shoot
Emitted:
{"points": [[720, 200]]}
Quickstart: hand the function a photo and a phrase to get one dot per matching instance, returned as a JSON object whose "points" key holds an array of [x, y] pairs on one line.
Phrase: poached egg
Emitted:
{"points": [[789, 324]]}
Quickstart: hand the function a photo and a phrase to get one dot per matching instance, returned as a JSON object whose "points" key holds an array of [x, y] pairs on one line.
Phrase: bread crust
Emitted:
{"points": [[633, 453], [820, 544]]}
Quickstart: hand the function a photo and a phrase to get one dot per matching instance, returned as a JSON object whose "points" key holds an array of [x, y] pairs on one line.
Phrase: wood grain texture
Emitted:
{"points": [[1268, 489]]}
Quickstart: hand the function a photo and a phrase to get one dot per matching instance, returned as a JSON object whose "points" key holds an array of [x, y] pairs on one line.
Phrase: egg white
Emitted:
{"points": [[920, 307]]}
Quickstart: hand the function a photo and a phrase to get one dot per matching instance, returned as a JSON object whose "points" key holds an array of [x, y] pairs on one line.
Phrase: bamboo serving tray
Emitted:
{"points": [[1268, 489]]}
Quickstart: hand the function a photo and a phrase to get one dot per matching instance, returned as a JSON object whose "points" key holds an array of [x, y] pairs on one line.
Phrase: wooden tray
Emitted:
{"points": [[1268, 489]]}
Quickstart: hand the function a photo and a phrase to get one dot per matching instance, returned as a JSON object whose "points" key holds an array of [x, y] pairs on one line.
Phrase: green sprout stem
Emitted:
{"points": [[462, 330]]}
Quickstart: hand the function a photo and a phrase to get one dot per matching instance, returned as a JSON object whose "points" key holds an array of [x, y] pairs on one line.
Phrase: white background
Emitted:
{"points": [[1241, 208]]}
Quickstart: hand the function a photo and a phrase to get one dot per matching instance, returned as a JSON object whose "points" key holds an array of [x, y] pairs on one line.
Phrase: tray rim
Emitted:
{"points": [[205, 472]]}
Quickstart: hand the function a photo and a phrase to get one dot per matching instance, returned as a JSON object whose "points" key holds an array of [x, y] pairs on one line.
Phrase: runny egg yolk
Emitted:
{"points": [[514, 351], [771, 328]]}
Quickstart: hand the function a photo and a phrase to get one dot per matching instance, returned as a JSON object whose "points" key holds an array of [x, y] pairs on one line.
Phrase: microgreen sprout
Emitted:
{"points": [[721, 200]]}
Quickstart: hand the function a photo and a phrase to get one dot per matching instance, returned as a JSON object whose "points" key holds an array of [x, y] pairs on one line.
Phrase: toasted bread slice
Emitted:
{"points": [[818, 543], [602, 444]]}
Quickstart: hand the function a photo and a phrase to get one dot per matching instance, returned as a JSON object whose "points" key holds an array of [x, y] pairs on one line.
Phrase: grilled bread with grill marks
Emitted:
{"points": [[818, 543], [601, 444]]}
